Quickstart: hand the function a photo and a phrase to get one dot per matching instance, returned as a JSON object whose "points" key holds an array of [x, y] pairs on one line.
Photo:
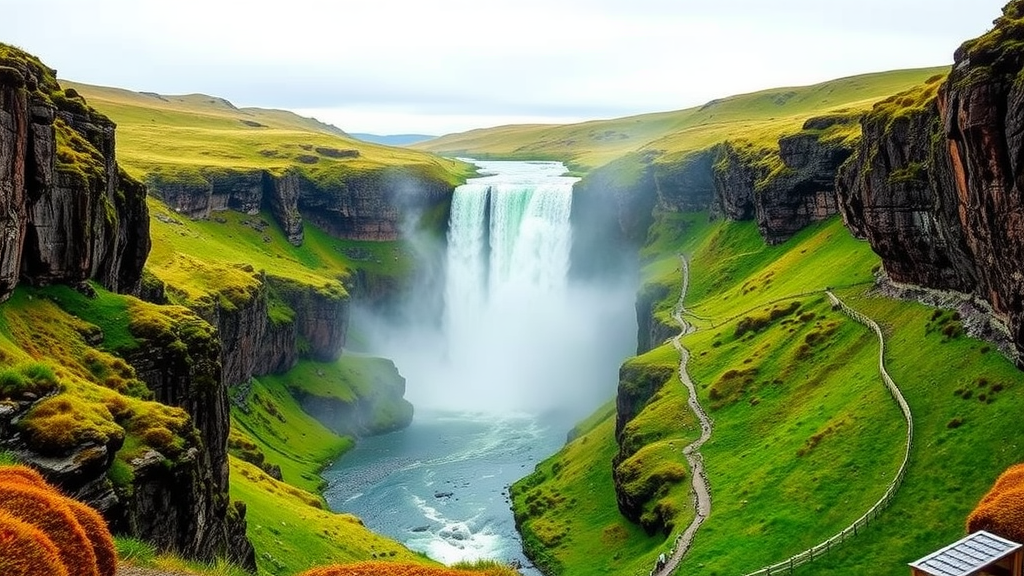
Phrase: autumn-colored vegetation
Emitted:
{"points": [[403, 569], [26, 551], [1001, 511], [43, 532]]}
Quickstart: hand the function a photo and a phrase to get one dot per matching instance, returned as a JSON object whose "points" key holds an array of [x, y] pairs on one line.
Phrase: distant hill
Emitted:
{"points": [[393, 139], [759, 118], [182, 136]]}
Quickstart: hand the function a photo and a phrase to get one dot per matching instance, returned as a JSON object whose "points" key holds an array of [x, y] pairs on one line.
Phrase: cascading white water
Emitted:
{"points": [[506, 286], [522, 355], [516, 335]]}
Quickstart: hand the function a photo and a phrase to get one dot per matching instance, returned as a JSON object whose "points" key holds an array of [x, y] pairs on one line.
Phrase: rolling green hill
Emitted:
{"points": [[180, 137], [759, 117]]}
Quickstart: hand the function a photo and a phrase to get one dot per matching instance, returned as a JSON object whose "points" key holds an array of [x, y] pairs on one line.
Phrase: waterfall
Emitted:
{"points": [[507, 266], [516, 334], [508, 245]]}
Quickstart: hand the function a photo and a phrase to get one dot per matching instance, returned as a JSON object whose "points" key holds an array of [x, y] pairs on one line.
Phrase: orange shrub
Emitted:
{"points": [[1001, 511], [1002, 515], [47, 511], [26, 551], [92, 523], [1012, 478], [27, 475], [393, 569], [99, 535]]}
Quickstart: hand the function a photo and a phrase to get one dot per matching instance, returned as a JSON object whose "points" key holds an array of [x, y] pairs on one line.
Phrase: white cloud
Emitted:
{"points": [[490, 61]]}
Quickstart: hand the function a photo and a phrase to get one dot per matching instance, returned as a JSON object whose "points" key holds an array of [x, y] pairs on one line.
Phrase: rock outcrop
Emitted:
{"points": [[803, 190], [185, 508], [378, 409], [784, 190], [67, 213], [686, 185], [360, 205], [638, 383], [787, 190], [936, 187]]}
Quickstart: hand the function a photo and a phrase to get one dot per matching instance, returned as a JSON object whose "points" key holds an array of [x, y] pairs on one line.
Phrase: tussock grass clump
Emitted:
{"points": [[29, 378], [26, 551], [18, 473], [99, 536], [755, 323], [1001, 510], [55, 424], [49, 511], [91, 523]]}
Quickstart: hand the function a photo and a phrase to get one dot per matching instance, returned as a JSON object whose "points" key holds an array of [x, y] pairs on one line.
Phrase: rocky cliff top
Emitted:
{"points": [[68, 212]]}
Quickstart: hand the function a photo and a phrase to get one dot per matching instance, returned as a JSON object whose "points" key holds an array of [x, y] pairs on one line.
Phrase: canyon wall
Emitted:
{"points": [[361, 205], [67, 212], [936, 185]]}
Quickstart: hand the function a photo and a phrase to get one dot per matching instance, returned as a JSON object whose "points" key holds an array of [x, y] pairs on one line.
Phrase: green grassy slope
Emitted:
{"points": [[178, 137], [806, 437], [760, 117], [225, 262]]}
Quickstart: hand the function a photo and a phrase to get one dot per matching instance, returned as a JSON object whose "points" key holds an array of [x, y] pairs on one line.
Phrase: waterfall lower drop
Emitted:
{"points": [[506, 294], [523, 354]]}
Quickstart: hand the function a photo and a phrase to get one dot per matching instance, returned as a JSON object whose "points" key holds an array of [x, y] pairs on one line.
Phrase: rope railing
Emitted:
{"points": [[825, 547]]}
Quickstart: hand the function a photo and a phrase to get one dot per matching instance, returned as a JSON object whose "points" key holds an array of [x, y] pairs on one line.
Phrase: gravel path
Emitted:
{"points": [[701, 491], [134, 571]]}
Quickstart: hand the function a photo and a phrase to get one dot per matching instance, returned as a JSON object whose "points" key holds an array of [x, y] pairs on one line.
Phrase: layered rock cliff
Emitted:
{"points": [[67, 213], [784, 190], [936, 184], [358, 205]]}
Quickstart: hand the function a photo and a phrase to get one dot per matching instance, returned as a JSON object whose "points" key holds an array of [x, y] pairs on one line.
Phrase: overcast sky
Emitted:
{"points": [[394, 66]]}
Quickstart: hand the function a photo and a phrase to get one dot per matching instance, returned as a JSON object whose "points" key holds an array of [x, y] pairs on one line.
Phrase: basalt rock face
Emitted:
{"points": [[370, 205], [185, 508], [804, 191], [790, 197], [937, 187], [321, 317], [67, 213], [687, 185], [651, 332], [734, 182], [893, 194]]}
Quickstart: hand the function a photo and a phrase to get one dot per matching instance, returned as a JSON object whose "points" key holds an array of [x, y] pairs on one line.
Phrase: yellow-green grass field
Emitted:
{"points": [[758, 118], [180, 137]]}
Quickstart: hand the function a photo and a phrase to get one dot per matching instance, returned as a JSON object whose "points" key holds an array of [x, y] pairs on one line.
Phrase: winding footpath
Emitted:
{"points": [[700, 488]]}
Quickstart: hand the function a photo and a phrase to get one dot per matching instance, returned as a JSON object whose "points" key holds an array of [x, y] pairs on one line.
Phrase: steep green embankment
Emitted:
{"points": [[805, 438]]}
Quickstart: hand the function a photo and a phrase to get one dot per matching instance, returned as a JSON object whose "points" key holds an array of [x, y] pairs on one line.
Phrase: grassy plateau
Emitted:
{"points": [[757, 119]]}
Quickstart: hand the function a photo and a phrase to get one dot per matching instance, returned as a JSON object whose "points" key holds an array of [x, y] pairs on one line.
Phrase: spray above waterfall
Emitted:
{"points": [[516, 333]]}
